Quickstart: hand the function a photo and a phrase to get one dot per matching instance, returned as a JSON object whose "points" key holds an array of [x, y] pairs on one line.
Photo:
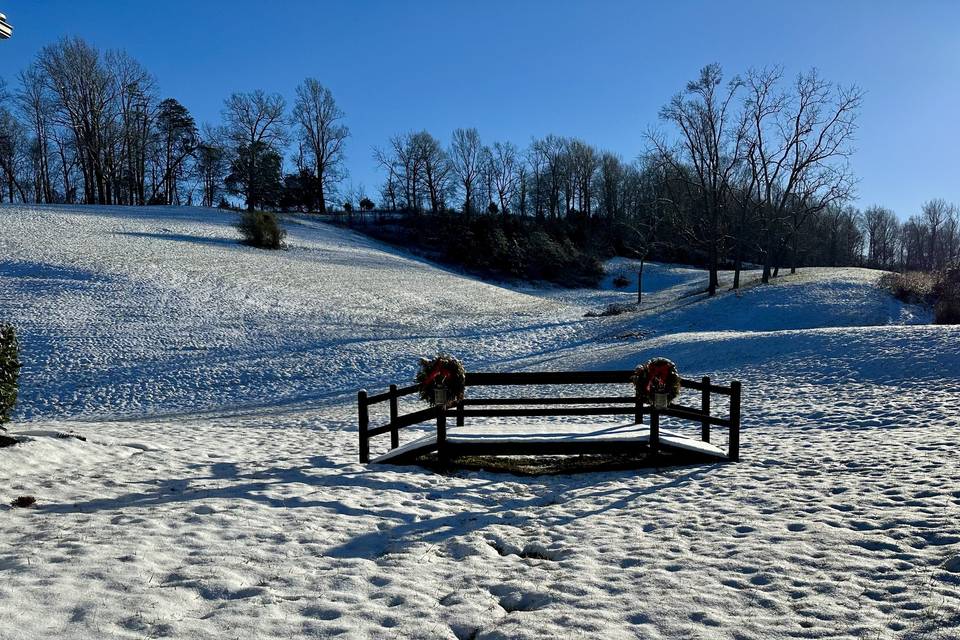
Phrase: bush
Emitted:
{"points": [[947, 290], [621, 281], [9, 371], [261, 229], [939, 290], [914, 287]]}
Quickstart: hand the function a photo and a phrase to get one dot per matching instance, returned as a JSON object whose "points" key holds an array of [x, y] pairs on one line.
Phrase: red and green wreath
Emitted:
{"points": [[657, 375], [443, 370]]}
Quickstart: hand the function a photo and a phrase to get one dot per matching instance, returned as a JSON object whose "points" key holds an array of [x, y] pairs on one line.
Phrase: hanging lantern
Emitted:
{"points": [[661, 400], [6, 29], [440, 395]]}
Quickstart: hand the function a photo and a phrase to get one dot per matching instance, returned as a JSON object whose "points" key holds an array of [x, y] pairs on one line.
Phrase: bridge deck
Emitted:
{"points": [[550, 439]]}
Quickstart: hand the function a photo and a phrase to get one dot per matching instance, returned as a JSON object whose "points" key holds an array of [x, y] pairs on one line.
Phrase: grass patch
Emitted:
{"points": [[550, 465]]}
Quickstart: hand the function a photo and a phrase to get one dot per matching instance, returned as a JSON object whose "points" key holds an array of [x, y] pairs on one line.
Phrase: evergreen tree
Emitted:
{"points": [[255, 173]]}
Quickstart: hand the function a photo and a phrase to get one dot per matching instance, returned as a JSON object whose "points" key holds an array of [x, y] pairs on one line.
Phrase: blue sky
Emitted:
{"points": [[597, 70]]}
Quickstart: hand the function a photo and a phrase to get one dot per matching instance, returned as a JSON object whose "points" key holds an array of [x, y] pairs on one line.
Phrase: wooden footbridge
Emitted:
{"points": [[531, 435]]}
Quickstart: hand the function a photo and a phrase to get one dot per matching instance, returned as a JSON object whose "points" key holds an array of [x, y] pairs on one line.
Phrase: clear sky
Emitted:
{"points": [[597, 70]]}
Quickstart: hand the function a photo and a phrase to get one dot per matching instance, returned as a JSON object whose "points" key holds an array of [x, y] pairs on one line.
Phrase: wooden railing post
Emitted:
{"points": [[734, 452], [705, 409], [364, 420], [394, 412], [654, 432], [460, 416], [637, 407], [442, 434]]}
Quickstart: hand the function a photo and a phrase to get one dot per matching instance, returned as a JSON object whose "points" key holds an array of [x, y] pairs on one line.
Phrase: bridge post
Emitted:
{"points": [[460, 416], [705, 409], [734, 453], [637, 407], [394, 412], [364, 420], [442, 434], [654, 432]]}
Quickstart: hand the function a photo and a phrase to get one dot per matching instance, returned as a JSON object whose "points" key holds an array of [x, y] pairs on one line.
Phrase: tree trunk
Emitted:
{"points": [[322, 205], [737, 265], [793, 257], [714, 270], [640, 283]]}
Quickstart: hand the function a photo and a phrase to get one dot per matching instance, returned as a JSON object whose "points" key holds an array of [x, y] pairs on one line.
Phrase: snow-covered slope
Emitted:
{"points": [[217, 492]]}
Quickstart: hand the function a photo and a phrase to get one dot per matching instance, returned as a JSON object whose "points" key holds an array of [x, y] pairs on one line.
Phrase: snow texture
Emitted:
{"points": [[218, 493]]}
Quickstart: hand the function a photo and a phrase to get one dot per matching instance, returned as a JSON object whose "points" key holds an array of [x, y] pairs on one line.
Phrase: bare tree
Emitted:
{"points": [[882, 230], [584, 163], [319, 118], [940, 221], [255, 121], [466, 155], [211, 164], [84, 90], [506, 174], [436, 169], [13, 156], [137, 110], [36, 104], [800, 144], [404, 161], [710, 150]]}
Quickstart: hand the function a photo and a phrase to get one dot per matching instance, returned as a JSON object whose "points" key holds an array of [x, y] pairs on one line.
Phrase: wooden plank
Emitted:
{"points": [[470, 402], [550, 411], [363, 419], [548, 377], [416, 417], [689, 413], [375, 431], [394, 412], [734, 451], [637, 406], [378, 397], [475, 441], [705, 409], [654, 432], [442, 434], [543, 448], [386, 395], [698, 385]]}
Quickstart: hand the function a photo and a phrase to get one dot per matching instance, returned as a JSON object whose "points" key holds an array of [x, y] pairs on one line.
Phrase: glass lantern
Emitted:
{"points": [[661, 401], [440, 395]]}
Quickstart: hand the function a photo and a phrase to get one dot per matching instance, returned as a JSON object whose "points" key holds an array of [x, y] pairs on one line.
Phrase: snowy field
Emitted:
{"points": [[218, 494]]}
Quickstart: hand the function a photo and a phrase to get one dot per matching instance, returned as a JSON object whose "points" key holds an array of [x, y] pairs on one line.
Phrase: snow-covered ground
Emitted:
{"points": [[217, 493]]}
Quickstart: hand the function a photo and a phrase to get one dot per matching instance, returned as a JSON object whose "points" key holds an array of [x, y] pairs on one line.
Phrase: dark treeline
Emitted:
{"points": [[751, 170]]}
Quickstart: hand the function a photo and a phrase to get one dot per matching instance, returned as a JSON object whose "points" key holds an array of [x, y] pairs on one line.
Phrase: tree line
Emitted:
{"points": [[750, 170], [85, 126]]}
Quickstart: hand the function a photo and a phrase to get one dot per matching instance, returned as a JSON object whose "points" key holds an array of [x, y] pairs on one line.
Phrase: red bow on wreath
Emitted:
{"points": [[658, 372], [440, 368]]}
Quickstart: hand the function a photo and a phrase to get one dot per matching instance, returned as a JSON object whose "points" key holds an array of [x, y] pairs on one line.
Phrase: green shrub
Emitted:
{"points": [[261, 229], [9, 371]]}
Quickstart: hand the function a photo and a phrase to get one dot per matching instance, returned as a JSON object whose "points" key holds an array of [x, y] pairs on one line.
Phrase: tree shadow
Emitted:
{"points": [[486, 506], [182, 237]]}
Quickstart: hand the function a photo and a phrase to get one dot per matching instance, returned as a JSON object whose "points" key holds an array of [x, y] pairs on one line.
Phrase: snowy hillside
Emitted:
{"points": [[217, 493]]}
